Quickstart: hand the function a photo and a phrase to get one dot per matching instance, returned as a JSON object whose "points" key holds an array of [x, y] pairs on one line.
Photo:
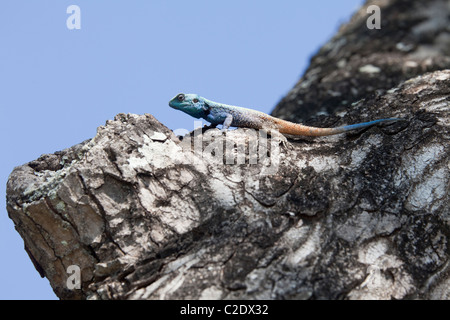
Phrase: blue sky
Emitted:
{"points": [[58, 85]]}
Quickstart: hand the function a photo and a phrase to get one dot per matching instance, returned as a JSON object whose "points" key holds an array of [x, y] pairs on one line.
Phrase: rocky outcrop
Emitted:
{"points": [[143, 214]]}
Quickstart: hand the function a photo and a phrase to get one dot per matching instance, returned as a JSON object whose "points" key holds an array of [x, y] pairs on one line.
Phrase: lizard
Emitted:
{"points": [[233, 116]]}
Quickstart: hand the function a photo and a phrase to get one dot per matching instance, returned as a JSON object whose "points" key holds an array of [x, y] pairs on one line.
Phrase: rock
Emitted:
{"points": [[362, 215]]}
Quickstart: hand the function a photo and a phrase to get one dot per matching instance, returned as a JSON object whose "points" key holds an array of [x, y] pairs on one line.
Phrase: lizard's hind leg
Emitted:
{"points": [[280, 138]]}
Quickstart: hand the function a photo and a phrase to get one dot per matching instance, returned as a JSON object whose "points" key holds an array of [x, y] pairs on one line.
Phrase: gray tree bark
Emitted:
{"points": [[363, 215]]}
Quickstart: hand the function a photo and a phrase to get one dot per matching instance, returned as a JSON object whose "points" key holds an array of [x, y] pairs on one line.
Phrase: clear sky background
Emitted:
{"points": [[132, 56]]}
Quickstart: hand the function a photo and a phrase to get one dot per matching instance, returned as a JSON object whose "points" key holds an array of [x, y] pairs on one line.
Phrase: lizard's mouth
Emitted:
{"points": [[174, 104], [177, 105], [180, 105]]}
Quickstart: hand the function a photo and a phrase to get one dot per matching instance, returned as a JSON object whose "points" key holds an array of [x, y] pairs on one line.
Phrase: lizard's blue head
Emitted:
{"points": [[192, 104]]}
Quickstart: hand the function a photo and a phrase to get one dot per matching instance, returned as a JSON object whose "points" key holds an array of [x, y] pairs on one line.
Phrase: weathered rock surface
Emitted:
{"points": [[363, 215]]}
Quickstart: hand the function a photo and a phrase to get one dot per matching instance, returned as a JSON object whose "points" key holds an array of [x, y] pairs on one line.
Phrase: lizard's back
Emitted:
{"points": [[249, 118]]}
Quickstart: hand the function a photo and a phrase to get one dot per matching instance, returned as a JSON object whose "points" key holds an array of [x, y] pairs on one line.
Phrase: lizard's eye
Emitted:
{"points": [[195, 100], [180, 97]]}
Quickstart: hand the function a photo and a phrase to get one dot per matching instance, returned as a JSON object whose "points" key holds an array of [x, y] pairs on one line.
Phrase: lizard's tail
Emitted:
{"points": [[301, 130]]}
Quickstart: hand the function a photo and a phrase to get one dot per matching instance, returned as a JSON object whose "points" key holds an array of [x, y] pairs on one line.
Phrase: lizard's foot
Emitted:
{"points": [[207, 127], [286, 144], [282, 140]]}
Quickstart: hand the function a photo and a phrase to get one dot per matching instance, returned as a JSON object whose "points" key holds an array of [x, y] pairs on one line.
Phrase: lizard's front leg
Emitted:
{"points": [[227, 122]]}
